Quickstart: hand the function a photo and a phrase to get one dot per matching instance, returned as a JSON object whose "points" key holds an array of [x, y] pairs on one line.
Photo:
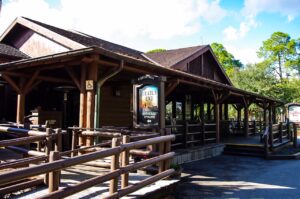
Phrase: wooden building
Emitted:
{"points": [[76, 79]]}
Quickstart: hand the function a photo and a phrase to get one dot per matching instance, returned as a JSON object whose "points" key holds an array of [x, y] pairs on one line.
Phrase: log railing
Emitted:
{"points": [[191, 134], [118, 150], [282, 132]]}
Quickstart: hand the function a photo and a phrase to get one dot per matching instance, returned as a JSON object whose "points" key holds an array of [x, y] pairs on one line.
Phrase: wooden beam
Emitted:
{"points": [[44, 78], [11, 82], [171, 87], [224, 97], [73, 76], [31, 81]]}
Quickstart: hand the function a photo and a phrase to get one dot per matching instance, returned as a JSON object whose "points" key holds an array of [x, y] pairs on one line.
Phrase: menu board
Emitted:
{"points": [[148, 105], [294, 114]]}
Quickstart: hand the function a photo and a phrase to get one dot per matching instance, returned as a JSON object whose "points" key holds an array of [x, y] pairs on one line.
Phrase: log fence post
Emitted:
{"points": [[185, 134], [48, 141], [167, 162], [74, 143], [125, 162], [113, 186], [58, 143], [280, 132], [271, 135], [54, 176], [295, 135]]}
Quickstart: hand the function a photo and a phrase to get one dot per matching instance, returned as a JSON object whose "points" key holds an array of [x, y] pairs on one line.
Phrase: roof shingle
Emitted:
{"points": [[89, 41], [11, 51], [169, 58]]}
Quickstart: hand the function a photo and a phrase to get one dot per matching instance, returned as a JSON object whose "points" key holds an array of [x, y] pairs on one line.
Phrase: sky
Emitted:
{"points": [[240, 25]]}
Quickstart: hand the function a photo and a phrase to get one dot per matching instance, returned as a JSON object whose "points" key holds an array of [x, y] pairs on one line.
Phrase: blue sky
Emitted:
{"points": [[241, 25]]}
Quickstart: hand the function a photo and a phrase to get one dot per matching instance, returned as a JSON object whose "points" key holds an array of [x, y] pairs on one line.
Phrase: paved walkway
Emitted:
{"points": [[240, 177]]}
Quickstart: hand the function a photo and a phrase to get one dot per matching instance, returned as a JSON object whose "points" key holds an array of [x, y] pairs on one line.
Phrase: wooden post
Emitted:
{"points": [[161, 165], [185, 134], [167, 162], [295, 144], [20, 108], [239, 117], [280, 132], [221, 111], [266, 146], [48, 141], [254, 127], [217, 120], [246, 120], [265, 118], [92, 74], [58, 143], [270, 128], [202, 122], [113, 187], [162, 107], [82, 107], [74, 142], [274, 115], [54, 176], [125, 162]]}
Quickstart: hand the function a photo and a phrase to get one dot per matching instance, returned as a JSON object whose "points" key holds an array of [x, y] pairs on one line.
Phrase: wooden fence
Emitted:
{"points": [[56, 164], [191, 134], [277, 134]]}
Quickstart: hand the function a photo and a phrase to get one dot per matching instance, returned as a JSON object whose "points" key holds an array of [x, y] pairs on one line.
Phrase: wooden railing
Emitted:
{"points": [[117, 169], [275, 134], [191, 134]]}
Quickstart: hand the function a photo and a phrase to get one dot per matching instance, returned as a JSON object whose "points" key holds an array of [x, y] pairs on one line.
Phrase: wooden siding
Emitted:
{"points": [[115, 110], [37, 45]]}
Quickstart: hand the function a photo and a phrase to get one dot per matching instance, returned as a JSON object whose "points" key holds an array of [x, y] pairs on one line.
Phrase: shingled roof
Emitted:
{"points": [[88, 41], [11, 51], [169, 58]]}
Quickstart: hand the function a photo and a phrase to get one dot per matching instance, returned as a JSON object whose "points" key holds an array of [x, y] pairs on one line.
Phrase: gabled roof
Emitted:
{"points": [[71, 39], [175, 57], [10, 51], [169, 58]]}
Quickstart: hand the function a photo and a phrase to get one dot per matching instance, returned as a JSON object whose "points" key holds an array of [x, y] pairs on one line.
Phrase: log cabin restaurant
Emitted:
{"points": [[66, 78]]}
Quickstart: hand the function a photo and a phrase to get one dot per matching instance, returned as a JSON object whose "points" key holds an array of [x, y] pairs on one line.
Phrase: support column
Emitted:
{"points": [[82, 105], [162, 108], [239, 117], [20, 108], [202, 122], [92, 74], [274, 115], [246, 120], [265, 118], [217, 120], [221, 111]]}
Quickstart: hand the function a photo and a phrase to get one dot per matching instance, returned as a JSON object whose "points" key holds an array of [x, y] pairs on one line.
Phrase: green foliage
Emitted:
{"points": [[280, 51], [225, 58], [156, 50]]}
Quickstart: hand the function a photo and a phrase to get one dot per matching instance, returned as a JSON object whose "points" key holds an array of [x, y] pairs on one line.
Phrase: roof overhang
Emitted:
{"points": [[136, 64]]}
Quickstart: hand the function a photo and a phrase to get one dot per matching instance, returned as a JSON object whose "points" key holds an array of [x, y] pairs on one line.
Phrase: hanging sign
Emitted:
{"points": [[148, 105], [294, 113], [147, 101]]}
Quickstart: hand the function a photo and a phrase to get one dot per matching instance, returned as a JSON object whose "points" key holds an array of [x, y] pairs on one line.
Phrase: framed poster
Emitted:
{"points": [[148, 105], [147, 101]]}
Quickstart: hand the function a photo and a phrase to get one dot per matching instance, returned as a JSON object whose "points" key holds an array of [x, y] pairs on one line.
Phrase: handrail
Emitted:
{"points": [[61, 164]]}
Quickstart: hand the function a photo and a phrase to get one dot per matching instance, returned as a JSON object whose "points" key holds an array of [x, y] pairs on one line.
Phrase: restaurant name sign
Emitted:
{"points": [[147, 101]]}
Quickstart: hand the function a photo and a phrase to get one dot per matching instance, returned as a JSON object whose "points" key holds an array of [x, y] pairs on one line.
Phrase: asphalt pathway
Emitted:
{"points": [[240, 177]]}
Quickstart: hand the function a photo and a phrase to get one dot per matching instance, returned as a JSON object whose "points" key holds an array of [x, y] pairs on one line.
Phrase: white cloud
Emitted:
{"points": [[119, 20], [232, 33], [288, 8], [245, 55]]}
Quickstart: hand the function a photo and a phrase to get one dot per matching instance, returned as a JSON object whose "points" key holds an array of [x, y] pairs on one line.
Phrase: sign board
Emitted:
{"points": [[147, 101], [294, 113], [148, 105], [89, 85]]}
